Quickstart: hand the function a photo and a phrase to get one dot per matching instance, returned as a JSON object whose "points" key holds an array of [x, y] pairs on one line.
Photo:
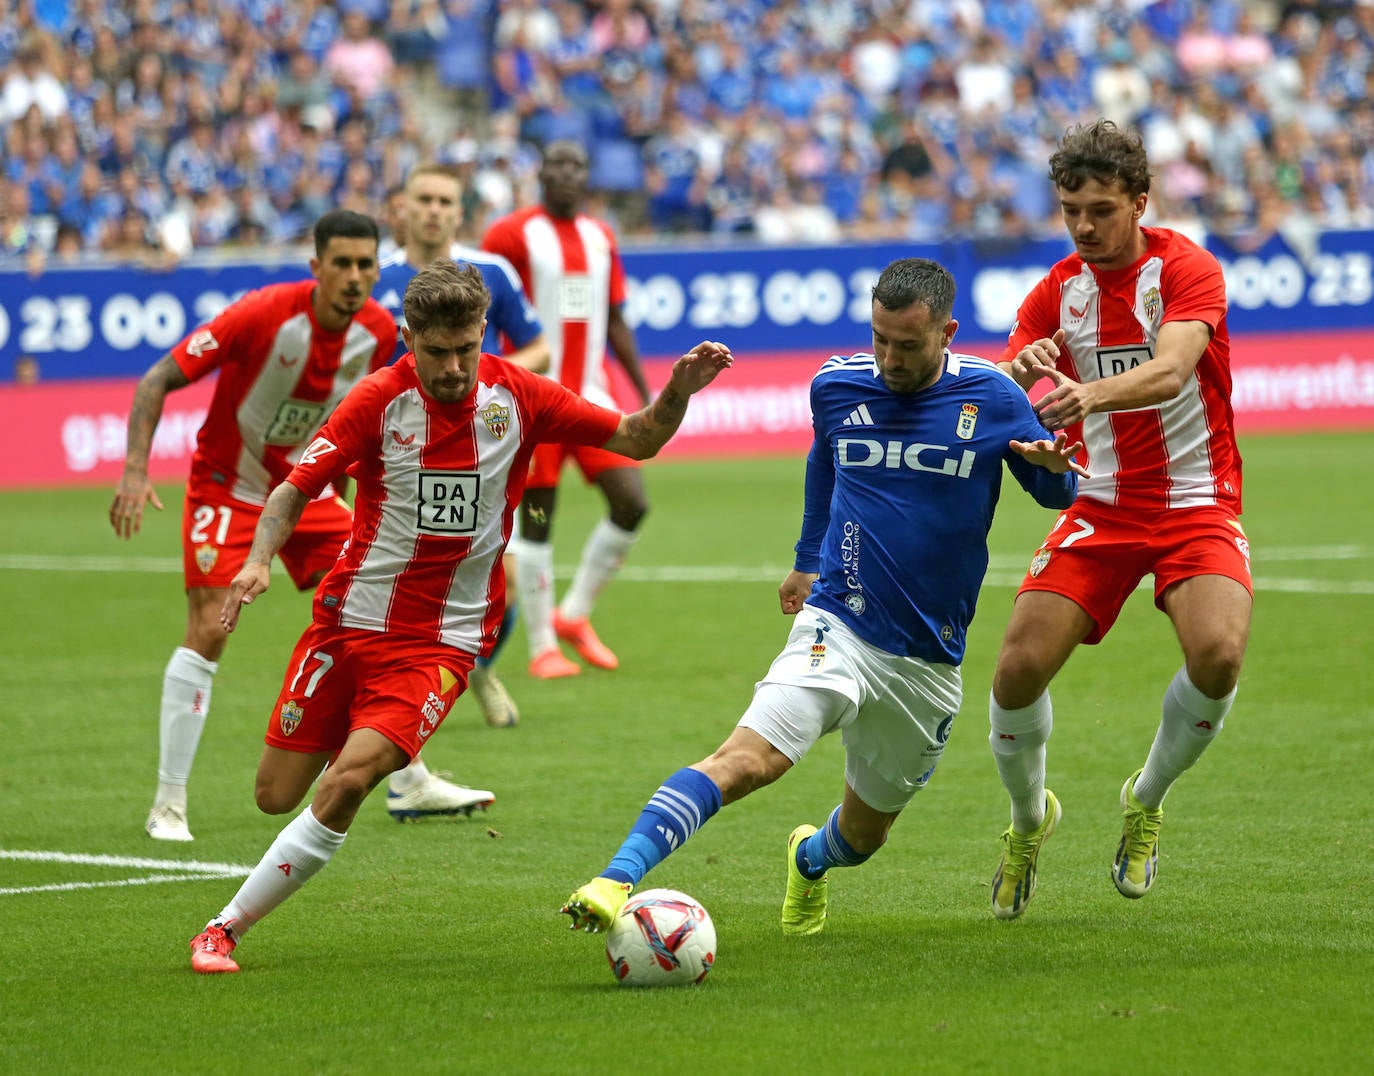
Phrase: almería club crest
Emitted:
{"points": [[497, 419]]}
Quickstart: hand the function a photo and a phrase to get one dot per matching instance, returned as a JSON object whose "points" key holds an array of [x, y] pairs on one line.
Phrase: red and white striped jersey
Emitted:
{"points": [[573, 275], [280, 377], [1177, 454], [438, 486]]}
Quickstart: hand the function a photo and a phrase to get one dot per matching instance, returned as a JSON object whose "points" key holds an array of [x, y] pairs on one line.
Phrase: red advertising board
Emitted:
{"points": [[73, 433]]}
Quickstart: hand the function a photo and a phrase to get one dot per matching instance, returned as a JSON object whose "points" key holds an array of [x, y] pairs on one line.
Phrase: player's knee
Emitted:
{"points": [[1215, 670], [275, 798], [1019, 679], [346, 787], [629, 513]]}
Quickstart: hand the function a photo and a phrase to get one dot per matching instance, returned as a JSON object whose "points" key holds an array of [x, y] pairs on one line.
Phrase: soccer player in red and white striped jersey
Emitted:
{"points": [[1130, 330], [286, 355], [440, 446], [570, 266]]}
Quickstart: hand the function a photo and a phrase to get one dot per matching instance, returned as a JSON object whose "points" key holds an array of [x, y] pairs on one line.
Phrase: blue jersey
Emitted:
{"points": [[510, 314], [900, 492]]}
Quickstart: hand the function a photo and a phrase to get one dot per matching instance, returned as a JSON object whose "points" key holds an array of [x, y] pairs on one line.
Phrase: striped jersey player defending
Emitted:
{"points": [[1130, 330], [571, 269], [440, 444], [433, 213], [901, 482], [286, 355]]}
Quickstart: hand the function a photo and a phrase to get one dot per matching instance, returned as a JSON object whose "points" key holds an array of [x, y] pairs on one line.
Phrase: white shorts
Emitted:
{"points": [[894, 713]]}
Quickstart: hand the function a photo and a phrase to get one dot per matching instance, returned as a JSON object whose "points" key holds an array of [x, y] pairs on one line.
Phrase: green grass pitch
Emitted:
{"points": [[438, 947]]}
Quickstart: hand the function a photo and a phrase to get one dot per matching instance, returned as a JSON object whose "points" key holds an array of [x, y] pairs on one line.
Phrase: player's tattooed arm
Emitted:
{"points": [[641, 434], [134, 489], [279, 517]]}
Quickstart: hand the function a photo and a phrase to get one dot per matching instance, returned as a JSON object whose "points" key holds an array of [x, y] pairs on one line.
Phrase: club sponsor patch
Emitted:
{"points": [[446, 502], [575, 298], [294, 421], [202, 340]]}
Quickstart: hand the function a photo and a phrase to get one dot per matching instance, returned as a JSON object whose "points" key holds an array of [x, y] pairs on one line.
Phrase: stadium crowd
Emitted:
{"points": [[148, 129]]}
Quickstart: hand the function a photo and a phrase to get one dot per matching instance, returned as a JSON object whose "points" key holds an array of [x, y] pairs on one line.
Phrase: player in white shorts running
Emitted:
{"points": [[901, 482]]}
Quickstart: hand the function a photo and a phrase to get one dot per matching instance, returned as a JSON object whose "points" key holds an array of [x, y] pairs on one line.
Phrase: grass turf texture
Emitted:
{"points": [[437, 947]]}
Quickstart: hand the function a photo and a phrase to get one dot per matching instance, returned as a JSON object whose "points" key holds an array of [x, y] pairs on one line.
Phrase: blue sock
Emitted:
{"points": [[507, 626], [678, 809], [826, 848]]}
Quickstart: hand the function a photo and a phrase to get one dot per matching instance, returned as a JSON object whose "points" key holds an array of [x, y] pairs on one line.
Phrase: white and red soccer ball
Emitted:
{"points": [[661, 938]]}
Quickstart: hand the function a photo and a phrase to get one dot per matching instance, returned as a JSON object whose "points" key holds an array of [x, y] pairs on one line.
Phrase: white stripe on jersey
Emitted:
{"points": [[560, 297], [405, 432], [269, 416], [860, 361]]}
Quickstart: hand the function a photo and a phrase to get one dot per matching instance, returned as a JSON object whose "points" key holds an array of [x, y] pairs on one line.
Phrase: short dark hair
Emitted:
{"points": [[445, 295], [916, 280], [1104, 152], [344, 224]]}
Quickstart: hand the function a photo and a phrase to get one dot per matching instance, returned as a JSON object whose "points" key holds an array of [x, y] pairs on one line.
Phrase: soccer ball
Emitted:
{"points": [[661, 938]]}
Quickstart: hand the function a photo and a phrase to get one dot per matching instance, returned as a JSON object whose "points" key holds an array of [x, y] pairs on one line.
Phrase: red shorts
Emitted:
{"points": [[341, 679], [1096, 555], [547, 462], [217, 532]]}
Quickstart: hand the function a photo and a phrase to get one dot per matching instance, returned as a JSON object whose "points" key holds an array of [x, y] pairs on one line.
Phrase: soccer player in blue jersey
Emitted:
{"points": [[901, 482], [433, 215]]}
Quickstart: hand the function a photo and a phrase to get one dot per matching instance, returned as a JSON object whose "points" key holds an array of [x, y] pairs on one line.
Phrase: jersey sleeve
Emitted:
{"points": [[818, 490], [1037, 317], [503, 239], [1049, 489], [1194, 287], [351, 432], [223, 338], [561, 416], [390, 346], [511, 312]]}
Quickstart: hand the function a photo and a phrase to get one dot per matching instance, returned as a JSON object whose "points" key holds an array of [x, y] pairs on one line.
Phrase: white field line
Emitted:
{"points": [[175, 870], [1004, 571]]}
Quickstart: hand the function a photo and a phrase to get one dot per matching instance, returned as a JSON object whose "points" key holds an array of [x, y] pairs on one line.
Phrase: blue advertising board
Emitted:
{"points": [[117, 321]]}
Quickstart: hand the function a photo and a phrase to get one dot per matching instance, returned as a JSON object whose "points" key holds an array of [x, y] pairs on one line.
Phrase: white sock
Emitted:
{"points": [[186, 687], [296, 856], [408, 777], [534, 584], [1018, 740], [602, 556], [1190, 721]]}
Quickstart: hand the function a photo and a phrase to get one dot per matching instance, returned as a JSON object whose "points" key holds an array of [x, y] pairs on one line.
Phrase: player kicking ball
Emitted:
{"points": [[901, 481]]}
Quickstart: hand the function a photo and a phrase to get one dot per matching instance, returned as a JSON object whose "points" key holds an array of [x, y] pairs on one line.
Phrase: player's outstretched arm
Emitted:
{"points": [[1057, 455], [795, 589], [279, 517], [643, 433], [135, 489]]}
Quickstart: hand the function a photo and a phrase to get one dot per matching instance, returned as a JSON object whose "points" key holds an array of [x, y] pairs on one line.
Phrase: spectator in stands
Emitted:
{"points": [[33, 83], [358, 59]]}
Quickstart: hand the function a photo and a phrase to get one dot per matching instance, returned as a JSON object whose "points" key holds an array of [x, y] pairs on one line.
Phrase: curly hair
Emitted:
{"points": [[444, 295], [1104, 152]]}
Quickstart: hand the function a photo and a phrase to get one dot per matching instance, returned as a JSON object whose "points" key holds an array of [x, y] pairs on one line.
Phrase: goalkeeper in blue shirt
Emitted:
{"points": [[901, 482]]}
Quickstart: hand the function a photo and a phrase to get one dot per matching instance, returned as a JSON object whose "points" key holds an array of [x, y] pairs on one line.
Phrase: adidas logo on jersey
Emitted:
{"points": [[859, 417]]}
